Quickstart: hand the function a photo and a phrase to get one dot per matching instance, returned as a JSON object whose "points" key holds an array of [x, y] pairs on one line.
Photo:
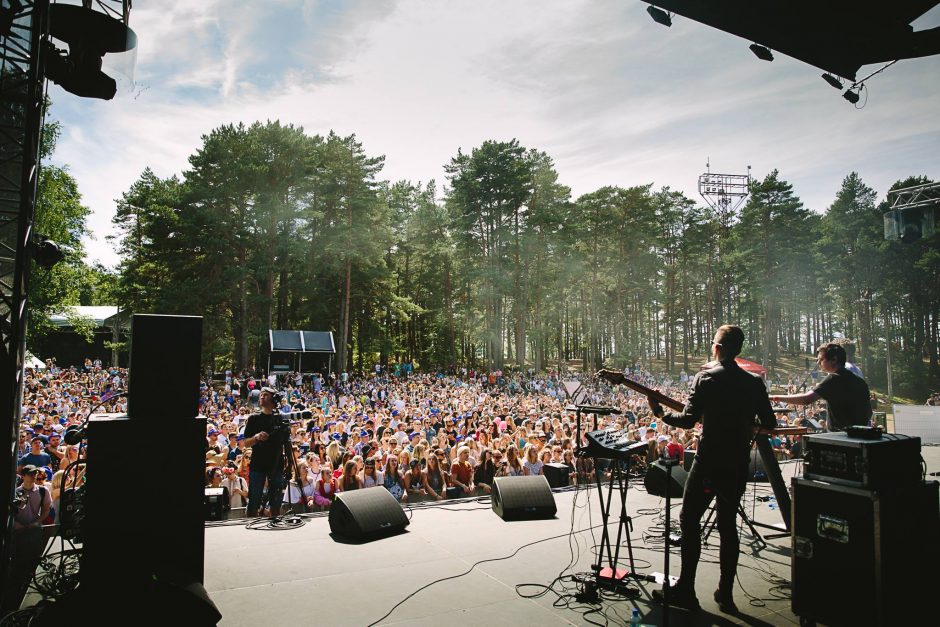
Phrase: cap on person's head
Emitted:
{"points": [[38, 438], [363, 434], [47, 470], [213, 432], [337, 436], [240, 437], [415, 462], [394, 412], [29, 469], [662, 438], [269, 390], [55, 435]]}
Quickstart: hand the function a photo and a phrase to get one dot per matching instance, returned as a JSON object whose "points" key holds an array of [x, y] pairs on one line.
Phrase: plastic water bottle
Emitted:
{"points": [[635, 618]]}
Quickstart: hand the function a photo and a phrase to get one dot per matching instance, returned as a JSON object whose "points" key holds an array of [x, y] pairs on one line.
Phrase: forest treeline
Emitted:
{"points": [[271, 227]]}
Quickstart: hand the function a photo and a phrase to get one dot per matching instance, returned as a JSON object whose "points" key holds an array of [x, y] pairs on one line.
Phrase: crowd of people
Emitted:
{"points": [[421, 436]]}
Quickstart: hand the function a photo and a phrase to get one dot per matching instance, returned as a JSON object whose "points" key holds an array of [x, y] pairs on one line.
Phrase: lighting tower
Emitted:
{"points": [[28, 57], [724, 193]]}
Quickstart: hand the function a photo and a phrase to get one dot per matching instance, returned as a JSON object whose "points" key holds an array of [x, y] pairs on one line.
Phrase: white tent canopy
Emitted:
{"points": [[34, 362]]}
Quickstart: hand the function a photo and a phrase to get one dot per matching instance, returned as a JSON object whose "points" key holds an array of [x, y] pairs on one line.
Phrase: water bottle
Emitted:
{"points": [[635, 618]]}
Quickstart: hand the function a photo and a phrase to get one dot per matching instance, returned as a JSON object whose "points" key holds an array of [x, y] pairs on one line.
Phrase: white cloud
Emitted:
{"points": [[614, 98]]}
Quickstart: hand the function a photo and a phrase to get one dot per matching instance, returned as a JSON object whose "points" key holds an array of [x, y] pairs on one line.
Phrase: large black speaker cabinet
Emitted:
{"points": [[366, 514], [163, 378], [863, 557], [131, 536], [523, 498], [655, 480], [558, 475]]}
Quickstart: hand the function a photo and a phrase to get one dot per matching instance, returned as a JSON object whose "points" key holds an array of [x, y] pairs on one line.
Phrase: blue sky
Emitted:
{"points": [[614, 98]]}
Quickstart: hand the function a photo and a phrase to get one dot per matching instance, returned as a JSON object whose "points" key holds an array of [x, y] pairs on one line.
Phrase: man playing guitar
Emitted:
{"points": [[725, 399]]}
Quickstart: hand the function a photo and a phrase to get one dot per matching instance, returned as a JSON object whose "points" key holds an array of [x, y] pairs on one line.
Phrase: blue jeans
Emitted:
{"points": [[256, 480]]}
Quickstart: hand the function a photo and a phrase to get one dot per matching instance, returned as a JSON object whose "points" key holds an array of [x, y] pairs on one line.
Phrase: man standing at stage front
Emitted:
{"points": [[725, 399], [266, 458]]}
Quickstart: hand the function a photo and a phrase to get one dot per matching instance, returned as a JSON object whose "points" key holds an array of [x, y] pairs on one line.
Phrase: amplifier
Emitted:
{"points": [[837, 458]]}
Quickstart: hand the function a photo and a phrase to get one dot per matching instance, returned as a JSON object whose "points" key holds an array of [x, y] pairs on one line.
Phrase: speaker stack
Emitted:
{"points": [[150, 543]]}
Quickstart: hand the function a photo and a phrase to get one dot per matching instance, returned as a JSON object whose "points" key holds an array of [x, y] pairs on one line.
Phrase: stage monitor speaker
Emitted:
{"points": [[163, 378], [558, 475], [523, 498], [366, 514], [655, 480]]}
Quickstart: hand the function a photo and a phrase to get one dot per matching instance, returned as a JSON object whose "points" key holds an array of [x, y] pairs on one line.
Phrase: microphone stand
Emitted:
{"points": [[669, 463]]}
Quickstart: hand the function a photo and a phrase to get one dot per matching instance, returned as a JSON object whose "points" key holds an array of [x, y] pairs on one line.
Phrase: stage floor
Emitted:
{"points": [[304, 576]]}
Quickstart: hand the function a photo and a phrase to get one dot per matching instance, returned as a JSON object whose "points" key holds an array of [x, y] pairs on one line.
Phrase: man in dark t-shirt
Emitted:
{"points": [[266, 459], [846, 394]]}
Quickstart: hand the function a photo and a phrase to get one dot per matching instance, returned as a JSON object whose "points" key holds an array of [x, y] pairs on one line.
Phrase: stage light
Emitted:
{"points": [[659, 16], [762, 52], [89, 35], [851, 96], [47, 253], [832, 80]]}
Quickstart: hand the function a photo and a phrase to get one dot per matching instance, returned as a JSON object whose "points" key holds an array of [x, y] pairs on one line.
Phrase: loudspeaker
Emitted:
{"points": [[163, 378], [688, 458], [655, 480], [523, 498], [113, 528], [558, 475], [366, 514]]}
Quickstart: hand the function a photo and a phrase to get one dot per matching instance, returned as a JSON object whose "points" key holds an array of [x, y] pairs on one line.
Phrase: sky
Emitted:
{"points": [[611, 96]]}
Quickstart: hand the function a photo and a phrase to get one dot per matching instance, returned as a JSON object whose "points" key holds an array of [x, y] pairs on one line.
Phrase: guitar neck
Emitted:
{"points": [[656, 395]]}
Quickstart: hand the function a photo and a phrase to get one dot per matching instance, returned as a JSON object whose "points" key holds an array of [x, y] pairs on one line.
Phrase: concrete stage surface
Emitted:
{"points": [[305, 576]]}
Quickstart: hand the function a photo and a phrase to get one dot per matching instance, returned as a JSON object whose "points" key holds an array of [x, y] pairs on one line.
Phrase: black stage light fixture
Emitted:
{"points": [[659, 16], [762, 52], [832, 80], [47, 253], [90, 35], [851, 96]]}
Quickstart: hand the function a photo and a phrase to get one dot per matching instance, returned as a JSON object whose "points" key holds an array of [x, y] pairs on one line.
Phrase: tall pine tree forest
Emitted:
{"points": [[499, 266]]}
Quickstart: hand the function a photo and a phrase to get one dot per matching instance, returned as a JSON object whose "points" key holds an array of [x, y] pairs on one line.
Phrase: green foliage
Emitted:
{"points": [[274, 228]]}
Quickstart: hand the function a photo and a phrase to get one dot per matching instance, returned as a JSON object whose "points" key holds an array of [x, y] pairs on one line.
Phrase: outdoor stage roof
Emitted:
{"points": [[301, 341]]}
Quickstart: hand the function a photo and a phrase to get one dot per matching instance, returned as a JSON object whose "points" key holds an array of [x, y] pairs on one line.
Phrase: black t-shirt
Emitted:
{"points": [[848, 397], [263, 454]]}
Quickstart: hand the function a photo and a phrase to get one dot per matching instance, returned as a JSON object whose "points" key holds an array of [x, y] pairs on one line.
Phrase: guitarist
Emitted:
{"points": [[725, 399]]}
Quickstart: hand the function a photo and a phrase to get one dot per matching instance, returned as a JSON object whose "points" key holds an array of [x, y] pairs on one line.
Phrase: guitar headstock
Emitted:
{"points": [[611, 376]]}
